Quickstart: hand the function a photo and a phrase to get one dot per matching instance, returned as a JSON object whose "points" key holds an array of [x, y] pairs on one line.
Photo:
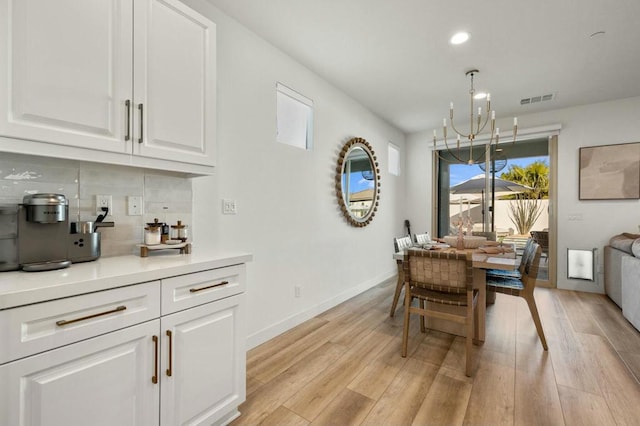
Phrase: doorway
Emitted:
{"points": [[520, 183]]}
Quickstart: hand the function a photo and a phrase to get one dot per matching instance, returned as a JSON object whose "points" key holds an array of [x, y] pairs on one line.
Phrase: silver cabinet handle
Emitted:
{"points": [[141, 123], [127, 104], [67, 322]]}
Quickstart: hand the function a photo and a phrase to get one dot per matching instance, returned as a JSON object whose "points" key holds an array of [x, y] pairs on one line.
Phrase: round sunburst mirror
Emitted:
{"points": [[358, 182]]}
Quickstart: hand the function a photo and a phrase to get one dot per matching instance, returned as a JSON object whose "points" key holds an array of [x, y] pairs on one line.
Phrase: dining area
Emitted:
{"points": [[449, 287], [345, 365]]}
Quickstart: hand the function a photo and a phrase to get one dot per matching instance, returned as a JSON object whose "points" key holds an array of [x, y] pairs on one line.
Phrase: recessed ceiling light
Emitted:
{"points": [[459, 38], [480, 95]]}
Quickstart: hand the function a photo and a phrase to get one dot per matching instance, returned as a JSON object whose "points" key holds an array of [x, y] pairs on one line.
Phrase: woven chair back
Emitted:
{"points": [[443, 271]]}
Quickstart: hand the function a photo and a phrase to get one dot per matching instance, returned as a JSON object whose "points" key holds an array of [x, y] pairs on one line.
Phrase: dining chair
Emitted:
{"points": [[542, 238], [440, 278], [422, 238], [523, 287], [516, 273], [399, 245]]}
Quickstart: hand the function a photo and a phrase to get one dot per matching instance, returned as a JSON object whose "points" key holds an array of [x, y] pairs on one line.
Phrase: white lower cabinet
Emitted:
{"points": [[101, 381], [203, 364], [91, 365]]}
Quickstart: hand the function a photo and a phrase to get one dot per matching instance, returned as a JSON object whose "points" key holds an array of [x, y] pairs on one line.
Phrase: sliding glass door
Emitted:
{"points": [[509, 196]]}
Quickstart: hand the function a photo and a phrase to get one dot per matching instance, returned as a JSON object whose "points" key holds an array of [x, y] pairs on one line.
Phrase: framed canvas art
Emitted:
{"points": [[610, 172]]}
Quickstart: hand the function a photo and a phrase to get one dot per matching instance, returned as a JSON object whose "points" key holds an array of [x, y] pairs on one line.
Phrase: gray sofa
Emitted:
{"points": [[622, 275]]}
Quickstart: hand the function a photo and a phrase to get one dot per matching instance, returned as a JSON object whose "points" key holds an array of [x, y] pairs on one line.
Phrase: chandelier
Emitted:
{"points": [[477, 123]]}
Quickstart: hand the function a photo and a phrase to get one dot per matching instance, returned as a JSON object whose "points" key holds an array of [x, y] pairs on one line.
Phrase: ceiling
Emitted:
{"points": [[394, 57]]}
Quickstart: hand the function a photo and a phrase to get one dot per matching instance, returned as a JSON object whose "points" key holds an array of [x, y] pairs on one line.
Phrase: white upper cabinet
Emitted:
{"points": [[132, 77], [67, 67], [174, 81]]}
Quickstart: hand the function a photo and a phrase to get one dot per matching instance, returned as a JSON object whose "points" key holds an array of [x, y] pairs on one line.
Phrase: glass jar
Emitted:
{"points": [[179, 231], [152, 235]]}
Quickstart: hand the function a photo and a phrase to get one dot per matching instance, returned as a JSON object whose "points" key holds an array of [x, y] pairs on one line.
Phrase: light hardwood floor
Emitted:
{"points": [[344, 367]]}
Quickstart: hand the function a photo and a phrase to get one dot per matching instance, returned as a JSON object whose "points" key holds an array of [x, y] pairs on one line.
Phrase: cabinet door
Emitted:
{"points": [[106, 380], [174, 82], [203, 368], [65, 71]]}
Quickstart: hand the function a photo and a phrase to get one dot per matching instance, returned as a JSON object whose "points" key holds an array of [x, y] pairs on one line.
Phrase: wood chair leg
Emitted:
{"points": [[423, 328], [531, 302], [396, 295], [405, 330], [469, 337]]}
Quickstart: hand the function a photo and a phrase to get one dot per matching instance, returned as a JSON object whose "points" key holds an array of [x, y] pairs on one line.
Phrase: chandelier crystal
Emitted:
{"points": [[477, 124]]}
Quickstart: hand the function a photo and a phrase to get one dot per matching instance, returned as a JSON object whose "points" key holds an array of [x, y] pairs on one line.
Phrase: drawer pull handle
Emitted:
{"points": [[154, 379], [193, 290], [170, 351], [67, 322]]}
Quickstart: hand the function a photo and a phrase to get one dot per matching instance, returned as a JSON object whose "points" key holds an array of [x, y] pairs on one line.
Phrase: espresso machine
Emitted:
{"points": [[37, 235], [43, 232]]}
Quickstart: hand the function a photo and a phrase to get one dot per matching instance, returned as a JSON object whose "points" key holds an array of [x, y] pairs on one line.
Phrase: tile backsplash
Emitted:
{"points": [[167, 196]]}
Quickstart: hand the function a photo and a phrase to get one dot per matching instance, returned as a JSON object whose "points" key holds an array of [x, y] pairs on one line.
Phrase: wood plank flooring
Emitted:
{"points": [[344, 367]]}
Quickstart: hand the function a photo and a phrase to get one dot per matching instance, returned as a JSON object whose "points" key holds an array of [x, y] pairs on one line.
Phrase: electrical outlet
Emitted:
{"points": [[104, 201], [296, 290], [134, 205], [229, 207]]}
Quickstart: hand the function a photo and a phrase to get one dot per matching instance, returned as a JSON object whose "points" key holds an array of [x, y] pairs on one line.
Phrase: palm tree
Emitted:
{"points": [[534, 175], [525, 209]]}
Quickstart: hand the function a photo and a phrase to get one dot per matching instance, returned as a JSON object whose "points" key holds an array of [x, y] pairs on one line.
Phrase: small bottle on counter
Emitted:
{"points": [[164, 235]]}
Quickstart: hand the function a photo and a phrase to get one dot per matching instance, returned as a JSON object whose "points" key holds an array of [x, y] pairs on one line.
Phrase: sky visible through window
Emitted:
{"points": [[358, 183], [461, 172]]}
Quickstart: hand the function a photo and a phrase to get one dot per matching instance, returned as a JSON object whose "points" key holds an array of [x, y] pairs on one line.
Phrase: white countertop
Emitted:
{"points": [[22, 288]]}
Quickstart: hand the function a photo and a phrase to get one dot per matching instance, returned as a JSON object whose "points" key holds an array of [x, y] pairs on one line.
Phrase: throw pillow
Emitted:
{"points": [[632, 236], [621, 243], [635, 247]]}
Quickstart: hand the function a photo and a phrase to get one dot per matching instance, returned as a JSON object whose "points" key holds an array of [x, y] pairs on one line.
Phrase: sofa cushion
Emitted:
{"points": [[635, 247], [631, 290], [622, 242]]}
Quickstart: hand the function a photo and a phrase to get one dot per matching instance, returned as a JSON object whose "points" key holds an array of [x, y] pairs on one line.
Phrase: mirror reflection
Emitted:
{"points": [[358, 182]]}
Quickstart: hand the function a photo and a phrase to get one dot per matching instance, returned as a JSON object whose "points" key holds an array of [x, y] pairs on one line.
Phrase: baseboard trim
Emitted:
{"points": [[280, 327]]}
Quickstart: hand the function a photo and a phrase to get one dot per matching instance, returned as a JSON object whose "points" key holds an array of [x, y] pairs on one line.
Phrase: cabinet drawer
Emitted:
{"points": [[36, 328], [186, 291]]}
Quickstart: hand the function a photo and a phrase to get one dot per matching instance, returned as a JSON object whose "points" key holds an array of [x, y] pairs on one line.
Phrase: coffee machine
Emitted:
{"points": [[43, 232], [37, 235]]}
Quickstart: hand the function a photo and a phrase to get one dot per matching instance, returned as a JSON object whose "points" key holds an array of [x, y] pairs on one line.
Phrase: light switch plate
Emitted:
{"points": [[229, 207], [134, 205]]}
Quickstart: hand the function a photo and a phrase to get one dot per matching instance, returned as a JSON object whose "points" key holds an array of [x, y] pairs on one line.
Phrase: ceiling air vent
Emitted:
{"points": [[536, 99]]}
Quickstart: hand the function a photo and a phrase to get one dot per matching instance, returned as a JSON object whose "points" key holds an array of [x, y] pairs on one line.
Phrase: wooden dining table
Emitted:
{"points": [[481, 261]]}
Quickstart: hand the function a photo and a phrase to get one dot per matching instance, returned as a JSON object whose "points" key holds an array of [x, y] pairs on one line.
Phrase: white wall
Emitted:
{"points": [[288, 214], [596, 124]]}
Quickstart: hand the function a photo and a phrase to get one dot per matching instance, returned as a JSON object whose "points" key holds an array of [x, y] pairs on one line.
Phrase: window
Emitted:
{"points": [[294, 118], [394, 159]]}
